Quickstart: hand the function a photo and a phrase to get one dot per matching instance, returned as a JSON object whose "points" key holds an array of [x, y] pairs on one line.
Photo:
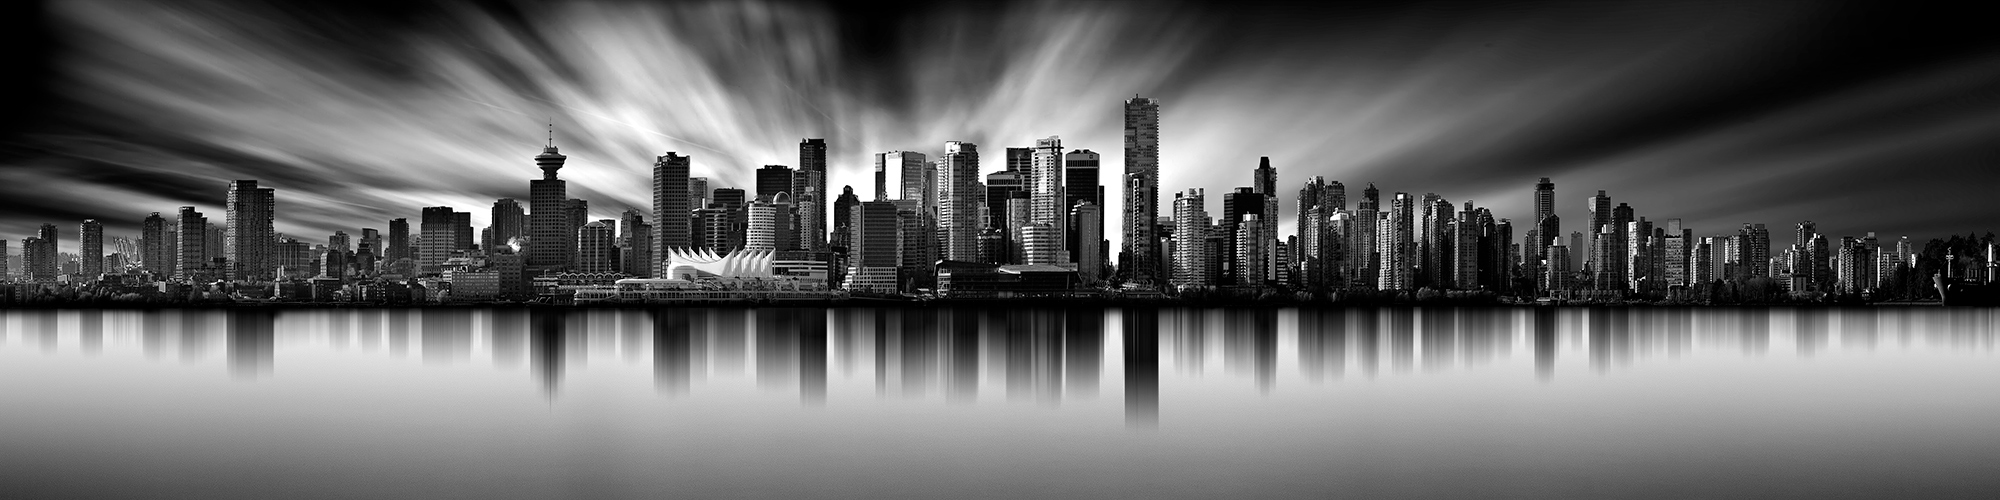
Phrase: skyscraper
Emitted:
{"points": [[1191, 224], [1081, 183], [1464, 262], [1755, 251], [671, 209], [191, 254], [41, 255], [439, 239], [875, 252], [1600, 216], [809, 196], [900, 175], [765, 223], [90, 249], [1318, 251], [249, 236], [154, 252], [1020, 160], [1545, 229], [1251, 251], [959, 199], [399, 239], [1139, 247], [774, 179], [1675, 250], [1235, 206], [551, 237], [1000, 187], [339, 241], [510, 221], [1265, 181], [576, 213], [843, 217], [1045, 189], [1086, 231], [1397, 243], [1364, 249], [636, 247], [595, 244]]}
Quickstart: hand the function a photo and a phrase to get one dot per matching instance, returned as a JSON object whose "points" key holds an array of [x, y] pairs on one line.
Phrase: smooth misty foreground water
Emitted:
{"points": [[1000, 403]]}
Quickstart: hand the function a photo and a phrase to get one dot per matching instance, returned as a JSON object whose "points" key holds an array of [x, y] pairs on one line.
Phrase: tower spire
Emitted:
{"points": [[552, 131]]}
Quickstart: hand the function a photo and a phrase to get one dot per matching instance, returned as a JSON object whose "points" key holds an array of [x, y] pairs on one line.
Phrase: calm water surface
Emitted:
{"points": [[1001, 403]]}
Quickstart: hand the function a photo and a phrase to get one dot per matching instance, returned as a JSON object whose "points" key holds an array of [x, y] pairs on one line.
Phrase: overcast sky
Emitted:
{"points": [[1860, 117]]}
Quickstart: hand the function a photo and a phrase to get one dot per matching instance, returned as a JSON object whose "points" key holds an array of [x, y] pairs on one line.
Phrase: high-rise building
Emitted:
{"points": [[1603, 252], [1041, 244], [551, 236], [1081, 183], [1139, 249], [399, 239], [1546, 229], [917, 241], [1045, 189], [1755, 251], [1600, 216], [809, 196], [1556, 275], [766, 222], [875, 252], [1639, 255], [1318, 253], [249, 236], [155, 254], [5, 270], [339, 241], [1265, 181], [809, 211], [1020, 160], [1364, 249], [90, 249], [576, 213], [1191, 224], [1701, 260], [635, 244], [1434, 243], [672, 208], [843, 217], [1086, 232], [1398, 245], [910, 177], [439, 239], [596, 246], [959, 199], [1235, 205], [44, 262], [1000, 187], [1250, 251], [1675, 252], [371, 241], [1464, 257], [1620, 264], [192, 254], [698, 194], [510, 222], [900, 175], [774, 179]]}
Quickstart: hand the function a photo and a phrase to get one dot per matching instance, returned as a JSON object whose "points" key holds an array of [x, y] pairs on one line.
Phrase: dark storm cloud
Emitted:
{"points": [[1719, 113]]}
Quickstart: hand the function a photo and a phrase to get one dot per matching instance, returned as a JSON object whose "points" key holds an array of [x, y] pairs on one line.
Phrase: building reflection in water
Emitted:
{"points": [[1041, 357]]}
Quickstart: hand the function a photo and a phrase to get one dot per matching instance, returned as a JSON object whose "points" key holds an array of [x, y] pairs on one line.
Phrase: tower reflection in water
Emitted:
{"points": [[1016, 355]]}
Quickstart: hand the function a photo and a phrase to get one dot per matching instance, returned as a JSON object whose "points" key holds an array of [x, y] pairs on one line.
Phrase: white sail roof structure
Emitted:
{"points": [[686, 263]]}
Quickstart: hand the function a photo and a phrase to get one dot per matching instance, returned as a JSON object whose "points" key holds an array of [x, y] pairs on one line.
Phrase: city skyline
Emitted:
{"points": [[1692, 170]]}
